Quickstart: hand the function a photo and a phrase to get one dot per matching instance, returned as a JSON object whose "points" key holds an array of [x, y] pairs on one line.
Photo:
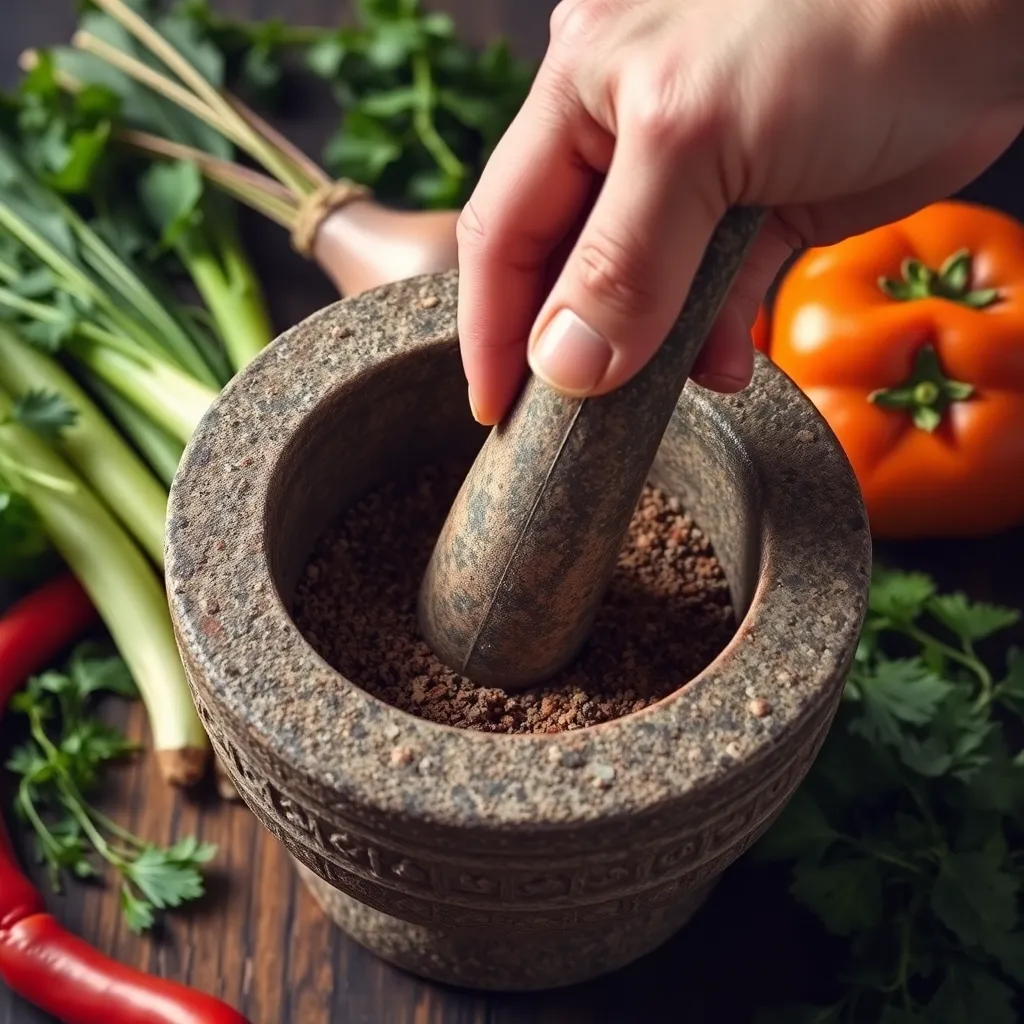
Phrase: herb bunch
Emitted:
{"points": [[907, 839], [59, 767], [422, 109]]}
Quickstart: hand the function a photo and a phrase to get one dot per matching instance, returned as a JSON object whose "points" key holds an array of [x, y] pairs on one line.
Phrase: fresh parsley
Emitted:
{"points": [[421, 109], [59, 766], [907, 839]]}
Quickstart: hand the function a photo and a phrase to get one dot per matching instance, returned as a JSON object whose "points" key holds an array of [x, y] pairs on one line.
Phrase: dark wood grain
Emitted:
{"points": [[258, 940]]}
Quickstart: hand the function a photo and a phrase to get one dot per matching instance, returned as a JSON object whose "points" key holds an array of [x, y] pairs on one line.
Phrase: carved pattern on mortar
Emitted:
{"points": [[470, 893]]}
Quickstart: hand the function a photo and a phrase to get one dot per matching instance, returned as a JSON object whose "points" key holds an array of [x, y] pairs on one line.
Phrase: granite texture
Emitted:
{"points": [[520, 846], [532, 539]]}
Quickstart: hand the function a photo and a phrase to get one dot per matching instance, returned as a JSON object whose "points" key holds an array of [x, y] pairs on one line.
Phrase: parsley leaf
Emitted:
{"points": [[23, 542], [968, 994], [971, 620], [846, 895], [905, 836], [48, 413], [61, 764], [899, 596], [898, 692], [974, 896]]}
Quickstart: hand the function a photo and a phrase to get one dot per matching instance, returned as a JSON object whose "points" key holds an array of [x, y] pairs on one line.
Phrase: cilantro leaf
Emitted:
{"points": [[93, 671], [846, 895], [171, 195], [1011, 687], [968, 995], [165, 878], [899, 596], [137, 912], [61, 763], [971, 620], [48, 413], [23, 541], [898, 692], [801, 832], [974, 896]]}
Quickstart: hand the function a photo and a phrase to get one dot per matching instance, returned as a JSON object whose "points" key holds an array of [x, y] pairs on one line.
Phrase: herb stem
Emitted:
{"points": [[423, 119], [239, 131], [967, 658]]}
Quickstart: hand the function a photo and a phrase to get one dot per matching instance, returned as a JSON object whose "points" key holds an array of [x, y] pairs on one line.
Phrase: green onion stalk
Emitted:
{"points": [[120, 582], [65, 289], [92, 446], [198, 226]]}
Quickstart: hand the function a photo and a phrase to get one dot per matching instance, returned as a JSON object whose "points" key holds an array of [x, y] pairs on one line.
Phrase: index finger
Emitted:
{"points": [[531, 194]]}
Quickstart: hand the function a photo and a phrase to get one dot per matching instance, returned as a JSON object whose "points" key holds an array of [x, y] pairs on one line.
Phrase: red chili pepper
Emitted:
{"points": [[40, 961]]}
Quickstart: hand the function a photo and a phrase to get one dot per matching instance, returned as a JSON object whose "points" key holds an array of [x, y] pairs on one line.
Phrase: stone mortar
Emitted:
{"points": [[493, 861]]}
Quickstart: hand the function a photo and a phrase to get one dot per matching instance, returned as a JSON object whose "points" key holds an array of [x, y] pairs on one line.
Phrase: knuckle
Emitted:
{"points": [[470, 230], [672, 110], [575, 21], [609, 270]]}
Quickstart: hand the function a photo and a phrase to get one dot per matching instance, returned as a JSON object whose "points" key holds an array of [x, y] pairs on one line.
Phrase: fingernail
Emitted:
{"points": [[569, 355], [720, 382], [472, 405]]}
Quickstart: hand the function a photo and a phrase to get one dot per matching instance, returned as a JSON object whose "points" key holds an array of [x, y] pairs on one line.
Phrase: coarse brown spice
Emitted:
{"points": [[666, 615]]}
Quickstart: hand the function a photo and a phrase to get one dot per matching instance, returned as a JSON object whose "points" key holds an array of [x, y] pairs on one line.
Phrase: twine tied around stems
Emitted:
{"points": [[317, 206]]}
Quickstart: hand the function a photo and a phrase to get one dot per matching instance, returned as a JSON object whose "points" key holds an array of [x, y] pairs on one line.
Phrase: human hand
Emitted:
{"points": [[649, 118]]}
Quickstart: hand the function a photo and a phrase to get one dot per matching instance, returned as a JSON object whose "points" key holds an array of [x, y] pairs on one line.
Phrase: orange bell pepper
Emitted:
{"points": [[909, 339]]}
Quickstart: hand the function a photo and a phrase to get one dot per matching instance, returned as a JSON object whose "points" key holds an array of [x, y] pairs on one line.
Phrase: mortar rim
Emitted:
{"points": [[355, 773]]}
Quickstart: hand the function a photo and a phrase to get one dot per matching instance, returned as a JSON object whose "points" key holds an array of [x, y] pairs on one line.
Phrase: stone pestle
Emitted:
{"points": [[530, 544]]}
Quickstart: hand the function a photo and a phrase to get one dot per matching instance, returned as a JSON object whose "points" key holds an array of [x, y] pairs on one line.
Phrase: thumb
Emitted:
{"points": [[626, 278]]}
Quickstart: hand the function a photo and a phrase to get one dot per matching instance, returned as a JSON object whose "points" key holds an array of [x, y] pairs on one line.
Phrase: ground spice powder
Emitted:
{"points": [[666, 615]]}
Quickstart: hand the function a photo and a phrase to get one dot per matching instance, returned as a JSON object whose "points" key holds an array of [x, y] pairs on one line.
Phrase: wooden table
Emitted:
{"points": [[258, 940]]}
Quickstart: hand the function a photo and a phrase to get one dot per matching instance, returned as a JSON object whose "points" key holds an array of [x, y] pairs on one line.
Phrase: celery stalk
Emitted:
{"points": [[157, 447], [230, 291], [92, 445], [170, 398], [121, 584]]}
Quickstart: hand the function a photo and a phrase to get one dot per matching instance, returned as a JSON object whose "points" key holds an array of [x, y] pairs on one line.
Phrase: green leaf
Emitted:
{"points": [[390, 103], [970, 995], [186, 37], [362, 149], [971, 620], [898, 692], [94, 671], [975, 896], [1012, 685], [47, 413], [846, 895], [899, 596], [164, 879], [137, 913], [801, 832], [23, 541], [171, 194], [393, 43], [326, 56]]}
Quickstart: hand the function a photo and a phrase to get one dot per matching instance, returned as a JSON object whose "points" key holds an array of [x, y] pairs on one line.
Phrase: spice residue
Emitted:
{"points": [[666, 615]]}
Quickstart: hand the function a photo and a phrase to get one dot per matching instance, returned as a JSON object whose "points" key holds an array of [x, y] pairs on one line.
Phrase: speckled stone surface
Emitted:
{"points": [[529, 844], [532, 539]]}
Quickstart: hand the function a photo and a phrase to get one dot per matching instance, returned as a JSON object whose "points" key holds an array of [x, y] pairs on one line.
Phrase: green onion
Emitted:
{"points": [[121, 584], [91, 444]]}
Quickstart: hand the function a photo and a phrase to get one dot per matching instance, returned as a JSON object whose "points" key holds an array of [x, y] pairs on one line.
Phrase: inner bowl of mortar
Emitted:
{"points": [[482, 859]]}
